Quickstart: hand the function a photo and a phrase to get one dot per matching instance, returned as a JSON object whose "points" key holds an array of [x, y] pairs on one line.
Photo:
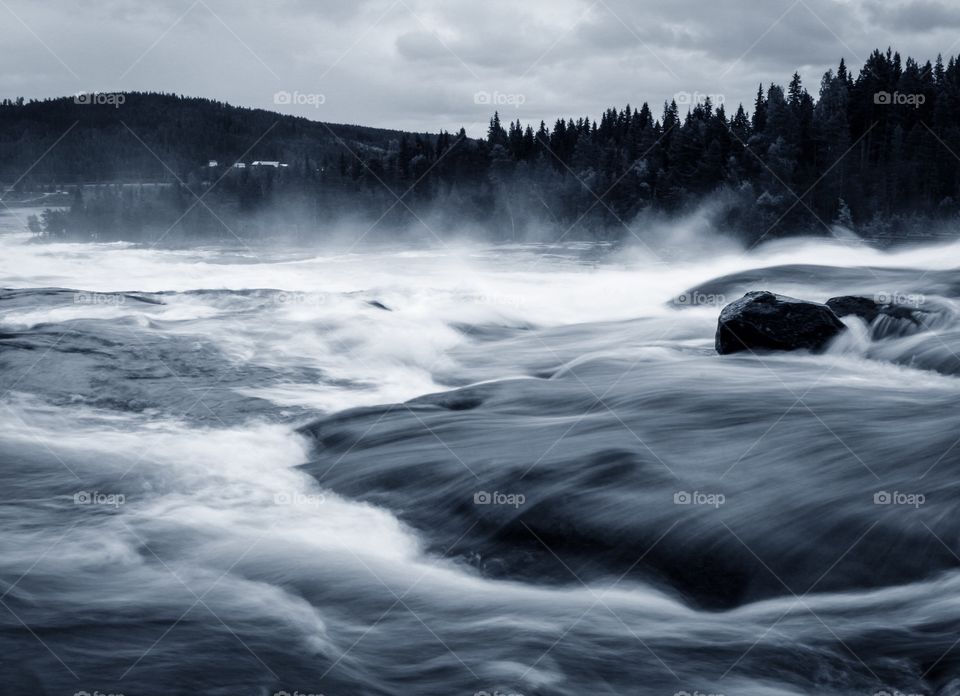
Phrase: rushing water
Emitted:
{"points": [[517, 469]]}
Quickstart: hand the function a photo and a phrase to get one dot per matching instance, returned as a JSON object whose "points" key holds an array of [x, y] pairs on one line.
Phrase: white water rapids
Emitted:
{"points": [[161, 536]]}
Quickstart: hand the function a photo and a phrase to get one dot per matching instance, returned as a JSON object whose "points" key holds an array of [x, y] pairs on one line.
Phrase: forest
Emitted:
{"points": [[875, 152]]}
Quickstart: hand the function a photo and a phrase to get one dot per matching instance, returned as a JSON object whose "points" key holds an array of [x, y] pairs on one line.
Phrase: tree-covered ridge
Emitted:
{"points": [[869, 151], [880, 144], [158, 137]]}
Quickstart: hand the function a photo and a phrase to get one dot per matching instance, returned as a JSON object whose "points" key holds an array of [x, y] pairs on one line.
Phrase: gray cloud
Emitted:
{"points": [[420, 64], [917, 15]]}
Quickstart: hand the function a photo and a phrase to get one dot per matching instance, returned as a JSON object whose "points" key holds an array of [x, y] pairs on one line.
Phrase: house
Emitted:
{"points": [[259, 163], [213, 163], [240, 165]]}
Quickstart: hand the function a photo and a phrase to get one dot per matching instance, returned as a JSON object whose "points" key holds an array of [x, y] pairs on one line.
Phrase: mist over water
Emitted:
{"points": [[473, 469]]}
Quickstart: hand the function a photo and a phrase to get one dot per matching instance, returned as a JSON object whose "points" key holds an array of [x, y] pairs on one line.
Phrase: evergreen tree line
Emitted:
{"points": [[879, 151]]}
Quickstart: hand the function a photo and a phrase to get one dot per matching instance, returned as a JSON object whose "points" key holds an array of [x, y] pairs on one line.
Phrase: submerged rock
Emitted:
{"points": [[868, 309], [377, 304], [765, 321], [895, 319]]}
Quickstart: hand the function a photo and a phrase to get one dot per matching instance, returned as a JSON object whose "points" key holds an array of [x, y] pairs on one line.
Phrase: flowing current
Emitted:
{"points": [[518, 469]]}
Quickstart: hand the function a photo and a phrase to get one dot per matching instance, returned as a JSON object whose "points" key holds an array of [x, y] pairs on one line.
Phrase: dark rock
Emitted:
{"points": [[376, 304], [765, 321], [868, 310]]}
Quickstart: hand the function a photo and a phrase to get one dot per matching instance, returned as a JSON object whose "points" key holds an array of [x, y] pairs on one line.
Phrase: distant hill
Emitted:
{"points": [[104, 142]]}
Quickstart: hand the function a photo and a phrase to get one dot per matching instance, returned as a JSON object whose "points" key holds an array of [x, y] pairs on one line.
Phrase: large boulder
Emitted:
{"points": [[765, 321]]}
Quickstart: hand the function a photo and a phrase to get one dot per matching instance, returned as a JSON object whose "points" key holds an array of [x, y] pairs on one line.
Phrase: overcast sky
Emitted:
{"points": [[432, 64]]}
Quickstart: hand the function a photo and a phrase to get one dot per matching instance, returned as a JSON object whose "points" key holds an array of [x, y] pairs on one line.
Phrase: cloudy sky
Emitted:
{"points": [[431, 64]]}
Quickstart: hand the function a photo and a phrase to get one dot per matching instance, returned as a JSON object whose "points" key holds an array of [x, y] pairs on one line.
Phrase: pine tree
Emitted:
{"points": [[759, 112], [496, 135]]}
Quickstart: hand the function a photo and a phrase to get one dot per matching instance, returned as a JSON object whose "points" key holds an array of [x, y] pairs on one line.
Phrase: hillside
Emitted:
{"points": [[103, 143]]}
